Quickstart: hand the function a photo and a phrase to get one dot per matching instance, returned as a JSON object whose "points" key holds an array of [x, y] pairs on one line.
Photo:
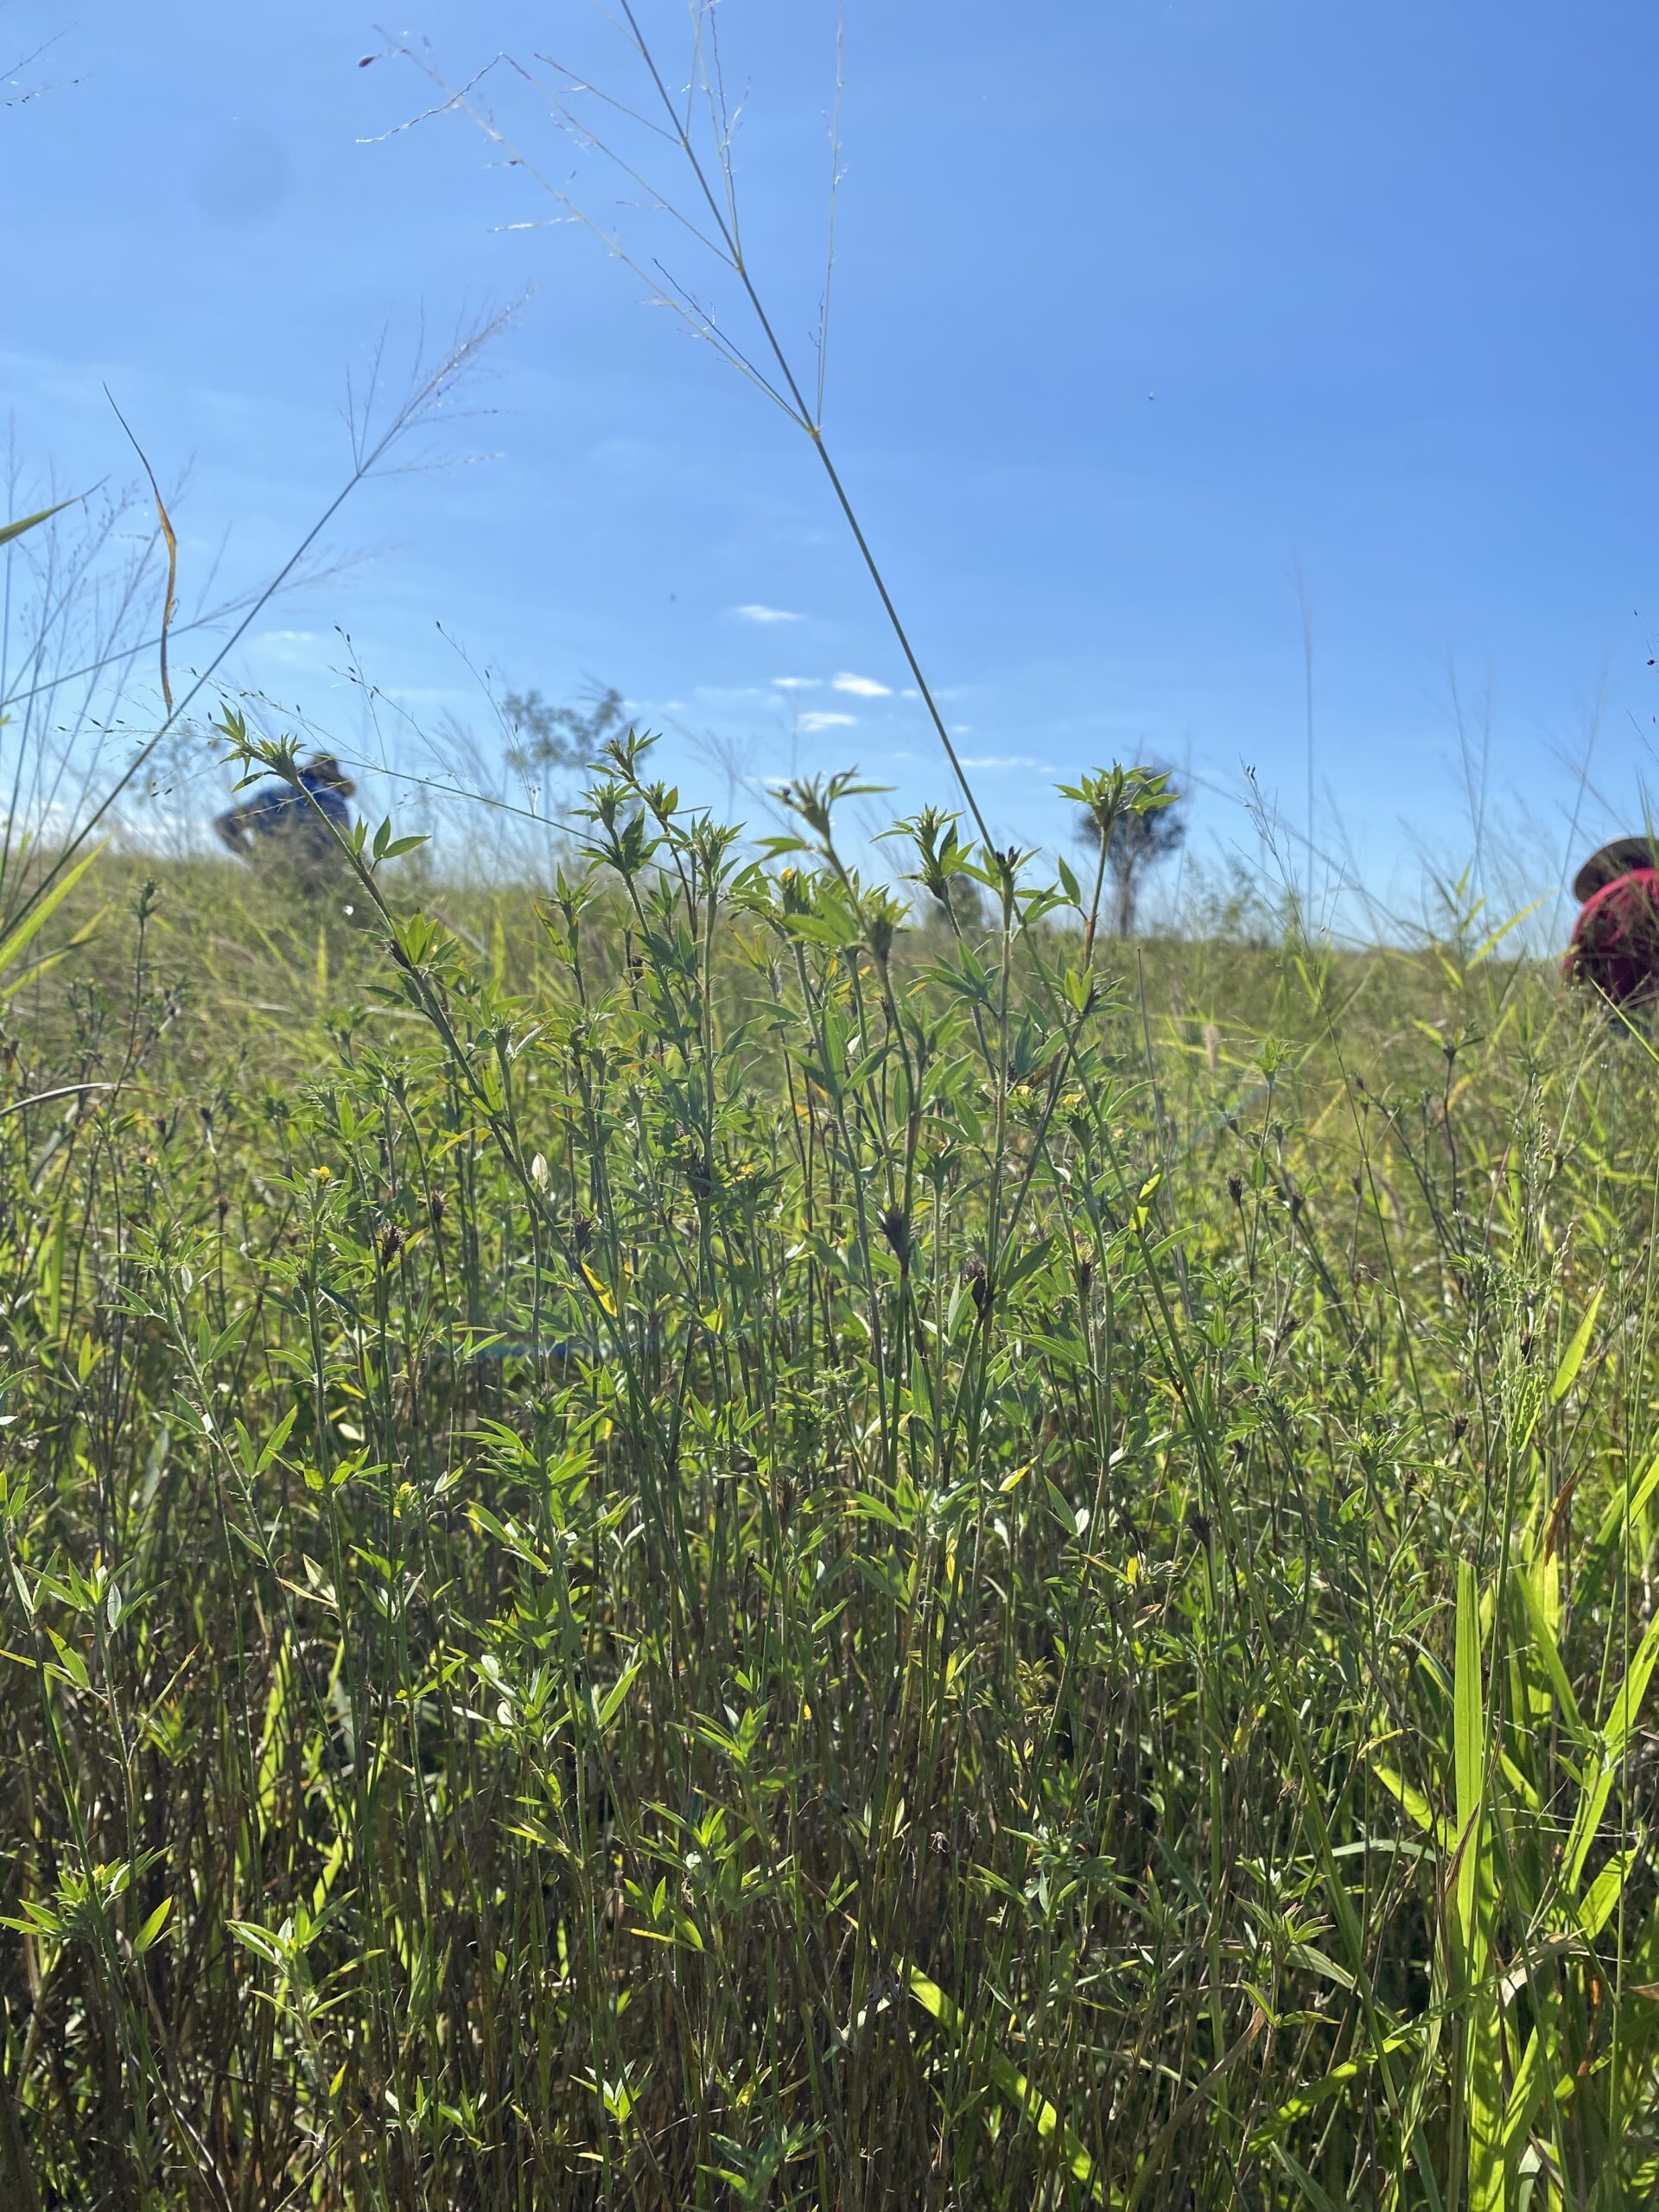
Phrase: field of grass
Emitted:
{"points": [[696, 1544]]}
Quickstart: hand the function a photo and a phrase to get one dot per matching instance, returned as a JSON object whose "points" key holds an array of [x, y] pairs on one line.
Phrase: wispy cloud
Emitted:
{"points": [[828, 721], [1006, 760], [796, 683], [863, 686], [755, 612], [292, 646]]}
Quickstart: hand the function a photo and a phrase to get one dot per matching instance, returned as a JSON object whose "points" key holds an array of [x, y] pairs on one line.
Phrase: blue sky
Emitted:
{"points": [[1139, 312]]}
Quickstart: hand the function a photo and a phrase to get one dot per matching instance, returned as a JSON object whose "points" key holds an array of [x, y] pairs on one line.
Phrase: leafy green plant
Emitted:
{"points": [[722, 1542]]}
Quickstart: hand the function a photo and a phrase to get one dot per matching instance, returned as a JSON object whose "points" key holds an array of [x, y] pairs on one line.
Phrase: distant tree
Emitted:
{"points": [[546, 737], [1143, 821], [967, 903]]}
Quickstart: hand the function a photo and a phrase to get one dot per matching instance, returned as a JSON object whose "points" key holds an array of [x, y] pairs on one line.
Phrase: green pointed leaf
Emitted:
{"points": [[10, 529], [152, 1927], [1573, 1357]]}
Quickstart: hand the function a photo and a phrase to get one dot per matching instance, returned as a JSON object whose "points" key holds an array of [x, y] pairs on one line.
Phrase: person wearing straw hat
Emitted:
{"points": [[299, 820], [1615, 947]]}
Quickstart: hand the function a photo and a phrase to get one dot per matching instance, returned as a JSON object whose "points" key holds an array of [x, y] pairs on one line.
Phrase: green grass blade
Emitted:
{"points": [[35, 919], [1573, 1357], [10, 529], [1469, 1750], [1615, 1736], [1013, 2085]]}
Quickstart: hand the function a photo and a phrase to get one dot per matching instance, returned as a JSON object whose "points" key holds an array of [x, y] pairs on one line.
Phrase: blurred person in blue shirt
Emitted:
{"points": [[296, 822]]}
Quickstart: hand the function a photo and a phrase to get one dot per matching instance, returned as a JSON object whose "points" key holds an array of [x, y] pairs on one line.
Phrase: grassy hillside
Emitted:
{"points": [[693, 1547]]}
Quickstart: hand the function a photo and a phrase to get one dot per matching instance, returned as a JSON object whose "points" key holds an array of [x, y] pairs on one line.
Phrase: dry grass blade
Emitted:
{"points": [[169, 597]]}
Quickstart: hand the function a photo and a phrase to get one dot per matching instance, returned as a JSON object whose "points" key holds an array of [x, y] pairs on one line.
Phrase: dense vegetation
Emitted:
{"points": [[703, 1544]]}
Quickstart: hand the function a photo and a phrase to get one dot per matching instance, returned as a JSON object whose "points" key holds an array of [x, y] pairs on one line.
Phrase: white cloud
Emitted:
{"points": [[1006, 760], [910, 692], [863, 686], [796, 683], [291, 646], [753, 613], [828, 721]]}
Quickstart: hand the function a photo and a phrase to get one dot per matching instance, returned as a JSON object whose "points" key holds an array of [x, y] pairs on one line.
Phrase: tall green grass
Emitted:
{"points": [[721, 1544]]}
